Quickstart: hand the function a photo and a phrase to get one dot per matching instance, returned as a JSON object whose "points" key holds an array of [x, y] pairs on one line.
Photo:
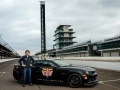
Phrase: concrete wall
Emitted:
{"points": [[106, 54], [89, 58], [5, 60], [115, 53], [111, 53], [82, 54]]}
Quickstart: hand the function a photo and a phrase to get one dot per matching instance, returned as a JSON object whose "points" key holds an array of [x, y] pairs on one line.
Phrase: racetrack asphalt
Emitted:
{"points": [[108, 80]]}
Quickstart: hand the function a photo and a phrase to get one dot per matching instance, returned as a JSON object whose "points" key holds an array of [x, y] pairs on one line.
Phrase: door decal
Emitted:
{"points": [[47, 72]]}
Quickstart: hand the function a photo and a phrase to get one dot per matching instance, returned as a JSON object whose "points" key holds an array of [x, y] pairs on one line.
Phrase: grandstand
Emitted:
{"points": [[65, 46], [106, 48], [76, 50], [110, 46], [7, 51]]}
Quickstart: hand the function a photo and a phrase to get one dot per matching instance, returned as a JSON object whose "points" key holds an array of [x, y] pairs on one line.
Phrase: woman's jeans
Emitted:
{"points": [[25, 71]]}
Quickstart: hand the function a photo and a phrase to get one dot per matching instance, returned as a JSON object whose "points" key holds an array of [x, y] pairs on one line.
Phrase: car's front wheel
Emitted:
{"points": [[75, 80]]}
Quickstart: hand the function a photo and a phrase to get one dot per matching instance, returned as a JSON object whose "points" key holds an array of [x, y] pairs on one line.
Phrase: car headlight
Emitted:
{"points": [[87, 72]]}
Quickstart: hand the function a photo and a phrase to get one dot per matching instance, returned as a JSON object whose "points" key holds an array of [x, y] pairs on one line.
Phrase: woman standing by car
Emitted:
{"points": [[26, 62]]}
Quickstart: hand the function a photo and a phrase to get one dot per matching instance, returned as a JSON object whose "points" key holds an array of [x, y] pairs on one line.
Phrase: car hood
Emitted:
{"points": [[81, 67]]}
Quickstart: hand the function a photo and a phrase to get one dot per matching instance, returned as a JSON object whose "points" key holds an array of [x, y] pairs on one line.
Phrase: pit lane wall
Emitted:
{"points": [[5, 60], [111, 59]]}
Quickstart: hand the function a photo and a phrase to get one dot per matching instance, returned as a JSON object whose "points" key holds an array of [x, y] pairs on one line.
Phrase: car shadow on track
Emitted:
{"points": [[50, 84], [61, 85]]}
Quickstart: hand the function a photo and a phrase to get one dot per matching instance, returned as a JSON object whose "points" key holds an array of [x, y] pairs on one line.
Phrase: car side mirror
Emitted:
{"points": [[55, 67], [38, 67]]}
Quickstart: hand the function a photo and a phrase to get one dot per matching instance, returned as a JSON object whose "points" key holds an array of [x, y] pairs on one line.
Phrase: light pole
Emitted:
{"points": [[0, 36], [0, 43]]}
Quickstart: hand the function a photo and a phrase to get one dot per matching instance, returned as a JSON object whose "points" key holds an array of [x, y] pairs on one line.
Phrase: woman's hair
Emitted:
{"points": [[27, 51]]}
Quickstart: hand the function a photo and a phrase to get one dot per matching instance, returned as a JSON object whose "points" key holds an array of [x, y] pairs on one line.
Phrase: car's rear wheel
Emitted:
{"points": [[15, 76], [74, 80], [20, 78]]}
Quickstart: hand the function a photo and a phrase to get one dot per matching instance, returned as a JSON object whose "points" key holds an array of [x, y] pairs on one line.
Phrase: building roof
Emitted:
{"points": [[65, 43], [109, 40], [64, 38], [77, 45], [60, 26], [71, 32]]}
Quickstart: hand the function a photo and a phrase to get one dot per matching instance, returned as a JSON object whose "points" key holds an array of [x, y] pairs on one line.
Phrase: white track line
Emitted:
{"points": [[103, 82], [111, 86], [109, 81], [2, 74]]}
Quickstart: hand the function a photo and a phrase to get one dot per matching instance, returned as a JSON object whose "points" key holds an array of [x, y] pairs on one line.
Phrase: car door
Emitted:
{"points": [[55, 76], [34, 70], [47, 70], [39, 67]]}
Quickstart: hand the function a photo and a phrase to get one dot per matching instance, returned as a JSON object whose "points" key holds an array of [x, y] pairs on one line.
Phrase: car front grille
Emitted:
{"points": [[91, 72], [92, 79]]}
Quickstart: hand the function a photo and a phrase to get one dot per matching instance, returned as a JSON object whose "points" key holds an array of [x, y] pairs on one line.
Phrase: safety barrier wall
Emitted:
{"points": [[89, 58], [5, 60]]}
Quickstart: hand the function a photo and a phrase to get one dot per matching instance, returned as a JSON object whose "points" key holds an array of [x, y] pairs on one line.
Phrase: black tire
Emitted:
{"points": [[15, 77], [74, 80], [20, 78]]}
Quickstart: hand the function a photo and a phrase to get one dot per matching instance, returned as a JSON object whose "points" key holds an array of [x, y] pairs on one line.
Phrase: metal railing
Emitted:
{"points": [[3, 43], [7, 46]]}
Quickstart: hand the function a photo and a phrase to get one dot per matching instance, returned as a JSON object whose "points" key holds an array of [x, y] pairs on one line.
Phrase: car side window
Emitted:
{"points": [[51, 64], [45, 64], [41, 63]]}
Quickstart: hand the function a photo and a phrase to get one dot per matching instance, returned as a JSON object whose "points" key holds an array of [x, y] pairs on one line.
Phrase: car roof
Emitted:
{"points": [[45, 60]]}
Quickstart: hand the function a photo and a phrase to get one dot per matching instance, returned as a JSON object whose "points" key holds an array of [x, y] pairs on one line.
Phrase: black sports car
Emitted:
{"points": [[59, 71]]}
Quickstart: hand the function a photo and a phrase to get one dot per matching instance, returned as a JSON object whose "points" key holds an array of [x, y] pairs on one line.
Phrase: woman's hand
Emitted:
{"points": [[31, 65], [23, 65]]}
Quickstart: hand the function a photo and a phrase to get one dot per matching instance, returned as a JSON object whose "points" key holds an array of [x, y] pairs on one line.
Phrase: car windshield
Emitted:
{"points": [[61, 63]]}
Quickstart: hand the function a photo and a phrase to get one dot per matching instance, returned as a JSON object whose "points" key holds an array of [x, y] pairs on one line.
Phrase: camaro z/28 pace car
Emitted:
{"points": [[58, 71]]}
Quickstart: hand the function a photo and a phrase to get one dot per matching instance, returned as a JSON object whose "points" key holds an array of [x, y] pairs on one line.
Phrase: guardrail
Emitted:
{"points": [[5, 60], [5, 48], [112, 59], [3, 43]]}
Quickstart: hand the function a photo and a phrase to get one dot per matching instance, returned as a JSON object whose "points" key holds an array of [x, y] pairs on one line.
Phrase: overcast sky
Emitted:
{"points": [[90, 19]]}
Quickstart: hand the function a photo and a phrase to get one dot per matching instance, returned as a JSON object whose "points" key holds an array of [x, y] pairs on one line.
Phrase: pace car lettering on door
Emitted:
{"points": [[47, 71]]}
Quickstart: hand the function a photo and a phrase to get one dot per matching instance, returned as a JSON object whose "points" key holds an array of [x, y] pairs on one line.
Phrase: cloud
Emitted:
{"points": [[90, 19], [110, 3]]}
